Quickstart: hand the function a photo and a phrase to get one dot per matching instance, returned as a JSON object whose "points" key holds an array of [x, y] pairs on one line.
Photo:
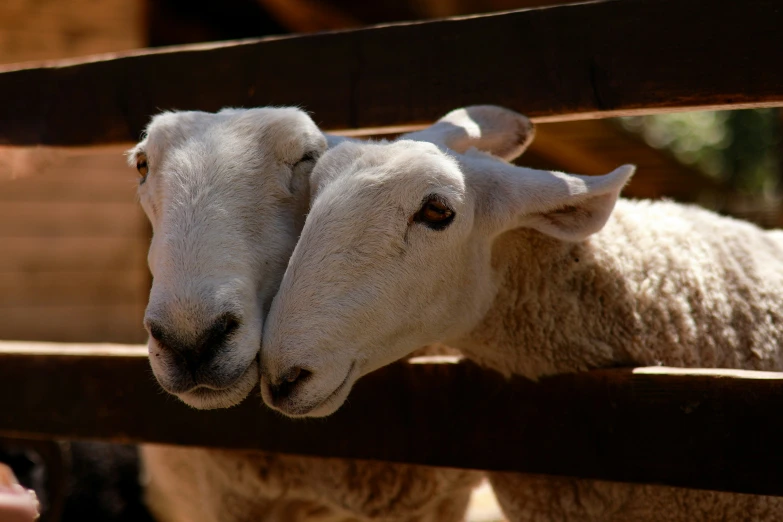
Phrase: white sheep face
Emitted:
{"points": [[396, 253], [226, 195]]}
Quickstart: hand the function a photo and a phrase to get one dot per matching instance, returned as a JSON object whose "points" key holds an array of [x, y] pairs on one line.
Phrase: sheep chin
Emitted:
{"points": [[203, 398]]}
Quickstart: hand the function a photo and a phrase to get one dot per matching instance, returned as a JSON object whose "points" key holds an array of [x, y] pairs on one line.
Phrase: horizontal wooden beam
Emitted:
{"points": [[709, 429], [583, 60]]}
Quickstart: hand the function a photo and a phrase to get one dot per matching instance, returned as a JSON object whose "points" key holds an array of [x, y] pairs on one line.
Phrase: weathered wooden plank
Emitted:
{"points": [[57, 186], [96, 287], [575, 61], [60, 219], [45, 174], [30, 254], [708, 429], [34, 30], [72, 323]]}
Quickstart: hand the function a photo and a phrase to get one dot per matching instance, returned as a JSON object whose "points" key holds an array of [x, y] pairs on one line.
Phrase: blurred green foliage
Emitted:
{"points": [[741, 148]]}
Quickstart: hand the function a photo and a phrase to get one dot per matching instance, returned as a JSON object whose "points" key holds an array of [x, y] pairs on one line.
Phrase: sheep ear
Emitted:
{"points": [[488, 128], [564, 206]]}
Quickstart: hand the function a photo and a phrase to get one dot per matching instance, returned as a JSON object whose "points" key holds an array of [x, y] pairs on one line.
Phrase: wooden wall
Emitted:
{"points": [[32, 30], [72, 237], [73, 244]]}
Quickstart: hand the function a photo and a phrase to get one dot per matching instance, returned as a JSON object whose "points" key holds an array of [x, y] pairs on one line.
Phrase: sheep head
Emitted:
{"points": [[226, 194], [396, 254]]}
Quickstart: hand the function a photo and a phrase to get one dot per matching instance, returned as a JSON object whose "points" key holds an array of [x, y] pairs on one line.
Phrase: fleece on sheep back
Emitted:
{"points": [[662, 283]]}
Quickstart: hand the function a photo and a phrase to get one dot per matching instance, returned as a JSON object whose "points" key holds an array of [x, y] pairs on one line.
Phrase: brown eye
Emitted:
{"points": [[434, 213], [141, 165]]}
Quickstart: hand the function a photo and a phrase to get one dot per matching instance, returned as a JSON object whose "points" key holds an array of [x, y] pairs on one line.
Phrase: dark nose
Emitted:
{"points": [[290, 379], [199, 350]]}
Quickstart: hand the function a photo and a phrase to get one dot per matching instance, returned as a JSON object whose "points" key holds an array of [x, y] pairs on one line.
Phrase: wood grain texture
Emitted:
{"points": [[75, 322], [96, 287], [565, 62], [713, 430], [36, 30], [73, 245], [35, 254], [85, 175], [58, 219]]}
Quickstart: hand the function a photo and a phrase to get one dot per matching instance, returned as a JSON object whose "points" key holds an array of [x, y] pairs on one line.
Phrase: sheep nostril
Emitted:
{"points": [[230, 324], [289, 382], [155, 330], [216, 336], [302, 375], [292, 375]]}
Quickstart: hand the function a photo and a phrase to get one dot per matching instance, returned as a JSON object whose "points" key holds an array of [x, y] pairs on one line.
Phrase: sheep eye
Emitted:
{"points": [[141, 166], [309, 156], [434, 213]]}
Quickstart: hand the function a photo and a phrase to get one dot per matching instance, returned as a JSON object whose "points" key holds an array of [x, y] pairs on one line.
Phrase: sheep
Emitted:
{"points": [[226, 195], [529, 273]]}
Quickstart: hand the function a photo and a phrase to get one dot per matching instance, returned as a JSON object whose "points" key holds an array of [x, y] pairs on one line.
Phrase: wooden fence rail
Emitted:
{"points": [[708, 429], [583, 60]]}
